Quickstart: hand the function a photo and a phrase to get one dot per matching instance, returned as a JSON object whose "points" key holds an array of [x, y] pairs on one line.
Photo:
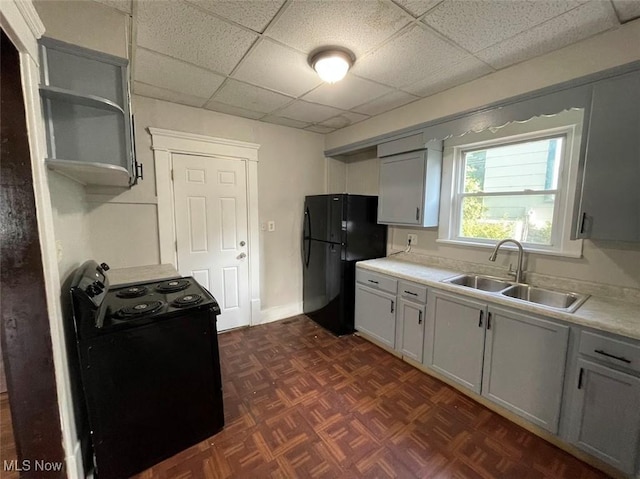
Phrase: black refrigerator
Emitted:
{"points": [[338, 231]]}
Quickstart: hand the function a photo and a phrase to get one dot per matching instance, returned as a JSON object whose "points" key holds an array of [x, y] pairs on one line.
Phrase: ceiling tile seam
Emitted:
{"points": [[276, 17], [615, 10], [406, 10], [400, 9], [444, 37], [186, 62], [219, 17], [543, 23], [403, 88], [394, 88], [168, 90], [424, 15], [397, 34], [355, 108]]}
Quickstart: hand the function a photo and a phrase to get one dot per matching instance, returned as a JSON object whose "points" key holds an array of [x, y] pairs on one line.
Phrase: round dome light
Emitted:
{"points": [[331, 65]]}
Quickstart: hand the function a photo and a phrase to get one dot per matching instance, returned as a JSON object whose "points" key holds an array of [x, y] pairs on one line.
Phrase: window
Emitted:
{"points": [[513, 184]]}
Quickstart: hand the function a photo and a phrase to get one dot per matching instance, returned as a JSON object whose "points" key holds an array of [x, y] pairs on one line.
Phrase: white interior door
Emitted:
{"points": [[210, 197]]}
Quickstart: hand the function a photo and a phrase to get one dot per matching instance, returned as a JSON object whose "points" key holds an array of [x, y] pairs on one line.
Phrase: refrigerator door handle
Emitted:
{"points": [[307, 251], [307, 223]]}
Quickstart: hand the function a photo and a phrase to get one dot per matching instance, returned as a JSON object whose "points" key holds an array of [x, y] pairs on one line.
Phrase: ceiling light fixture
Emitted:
{"points": [[331, 63]]}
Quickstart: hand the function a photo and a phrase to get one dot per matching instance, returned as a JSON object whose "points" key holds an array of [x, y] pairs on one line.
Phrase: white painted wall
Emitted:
{"points": [[70, 224], [291, 165], [86, 23]]}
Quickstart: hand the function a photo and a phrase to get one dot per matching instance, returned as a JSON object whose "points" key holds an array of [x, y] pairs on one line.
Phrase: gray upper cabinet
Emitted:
{"points": [[606, 415], [85, 99], [608, 206], [457, 338], [409, 191], [524, 364]]}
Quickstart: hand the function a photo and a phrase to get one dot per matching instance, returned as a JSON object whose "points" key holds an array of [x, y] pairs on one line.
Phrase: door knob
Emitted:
{"points": [[242, 243], [241, 255]]}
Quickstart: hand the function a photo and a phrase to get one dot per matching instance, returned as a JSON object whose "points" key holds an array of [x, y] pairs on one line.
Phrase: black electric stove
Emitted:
{"points": [[150, 368]]}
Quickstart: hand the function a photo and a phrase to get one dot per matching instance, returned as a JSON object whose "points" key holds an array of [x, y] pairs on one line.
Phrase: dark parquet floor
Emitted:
{"points": [[301, 403], [7, 442]]}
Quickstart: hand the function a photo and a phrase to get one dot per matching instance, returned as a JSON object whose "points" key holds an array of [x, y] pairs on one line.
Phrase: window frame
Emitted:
{"points": [[451, 211]]}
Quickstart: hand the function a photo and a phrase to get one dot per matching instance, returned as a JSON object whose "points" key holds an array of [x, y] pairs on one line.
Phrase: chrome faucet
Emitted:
{"points": [[519, 274]]}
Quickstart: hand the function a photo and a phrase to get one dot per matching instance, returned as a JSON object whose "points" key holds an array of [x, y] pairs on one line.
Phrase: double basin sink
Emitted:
{"points": [[560, 300]]}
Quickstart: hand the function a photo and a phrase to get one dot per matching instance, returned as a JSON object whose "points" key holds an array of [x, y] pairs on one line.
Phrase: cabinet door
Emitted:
{"points": [[375, 314], [411, 323], [458, 339], [524, 364], [610, 204], [606, 421], [402, 188]]}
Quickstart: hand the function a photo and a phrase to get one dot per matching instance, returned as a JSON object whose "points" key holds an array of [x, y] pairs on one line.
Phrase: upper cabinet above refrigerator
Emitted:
{"points": [[85, 100]]}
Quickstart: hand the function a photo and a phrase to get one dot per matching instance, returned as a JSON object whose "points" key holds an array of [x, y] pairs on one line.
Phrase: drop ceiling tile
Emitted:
{"points": [[166, 72], [627, 9], [278, 120], [309, 112], [250, 97], [183, 31], [278, 68], [477, 24], [417, 7], [347, 93], [452, 75], [386, 103], [151, 91], [408, 58], [582, 22], [233, 110], [356, 25], [320, 129], [343, 120], [253, 14]]}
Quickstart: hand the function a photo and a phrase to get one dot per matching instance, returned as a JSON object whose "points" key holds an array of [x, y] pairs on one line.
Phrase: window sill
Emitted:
{"points": [[575, 252]]}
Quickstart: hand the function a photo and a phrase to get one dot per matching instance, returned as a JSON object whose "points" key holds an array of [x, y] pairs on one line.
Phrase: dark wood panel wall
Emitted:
{"points": [[24, 324]]}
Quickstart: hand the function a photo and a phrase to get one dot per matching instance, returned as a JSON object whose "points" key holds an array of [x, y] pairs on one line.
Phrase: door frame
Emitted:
{"points": [[165, 144], [23, 26]]}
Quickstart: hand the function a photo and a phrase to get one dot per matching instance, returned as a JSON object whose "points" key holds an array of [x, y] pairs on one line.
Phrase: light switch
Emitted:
{"points": [[271, 225]]}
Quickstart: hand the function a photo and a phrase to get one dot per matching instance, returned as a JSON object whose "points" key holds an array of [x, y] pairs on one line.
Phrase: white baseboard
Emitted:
{"points": [[280, 312]]}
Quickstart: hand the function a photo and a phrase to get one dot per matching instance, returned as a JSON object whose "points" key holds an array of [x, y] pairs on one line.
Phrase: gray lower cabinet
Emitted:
{"points": [[524, 364], [411, 317], [606, 415], [375, 314], [457, 338]]}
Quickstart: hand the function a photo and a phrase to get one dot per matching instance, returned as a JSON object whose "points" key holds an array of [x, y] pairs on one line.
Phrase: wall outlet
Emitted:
{"points": [[412, 239], [271, 225]]}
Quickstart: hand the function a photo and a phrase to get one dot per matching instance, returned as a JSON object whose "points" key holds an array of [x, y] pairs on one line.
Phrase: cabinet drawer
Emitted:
{"points": [[377, 281], [412, 291], [611, 351]]}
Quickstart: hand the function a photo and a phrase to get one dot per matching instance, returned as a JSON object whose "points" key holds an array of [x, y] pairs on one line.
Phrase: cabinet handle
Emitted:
{"points": [[619, 358], [481, 317], [580, 378], [417, 213], [409, 292], [372, 281], [420, 317], [489, 320], [583, 220], [392, 304]]}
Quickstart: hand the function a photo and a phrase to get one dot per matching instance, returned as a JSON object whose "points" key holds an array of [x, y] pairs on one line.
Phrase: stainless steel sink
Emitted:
{"points": [[483, 283], [546, 297]]}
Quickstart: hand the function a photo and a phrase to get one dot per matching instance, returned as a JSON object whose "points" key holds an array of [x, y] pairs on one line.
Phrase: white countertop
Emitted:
{"points": [[611, 315], [141, 274]]}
